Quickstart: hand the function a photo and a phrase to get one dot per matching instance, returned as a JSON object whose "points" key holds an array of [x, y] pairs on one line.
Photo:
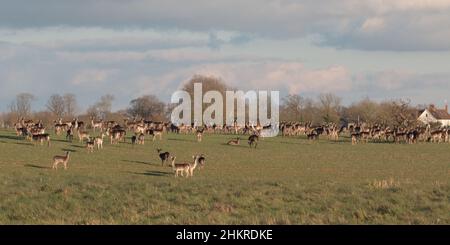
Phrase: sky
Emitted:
{"points": [[381, 49]]}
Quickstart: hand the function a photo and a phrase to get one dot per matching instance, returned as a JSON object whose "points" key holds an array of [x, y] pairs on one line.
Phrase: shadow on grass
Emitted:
{"points": [[9, 137], [24, 143], [184, 140], [66, 149], [60, 140], [35, 166], [78, 146], [153, 173], [146, 163]]}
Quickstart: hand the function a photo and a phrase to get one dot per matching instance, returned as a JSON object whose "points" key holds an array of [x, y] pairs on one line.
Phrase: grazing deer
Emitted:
{"points": [[117, 135], [41, 138], [253, 140], [133, 140], [83, 135], [234, 141], [164, 156], [61, 159], [98, 141], [95, 125], [180, 168], [200, 134], [90, 146]]}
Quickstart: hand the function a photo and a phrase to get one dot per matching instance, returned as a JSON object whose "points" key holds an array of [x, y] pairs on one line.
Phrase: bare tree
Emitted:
{"points": [[70, 104], [55, 105], [292, 109], [22, 104], [329, 106], [102, 108]]}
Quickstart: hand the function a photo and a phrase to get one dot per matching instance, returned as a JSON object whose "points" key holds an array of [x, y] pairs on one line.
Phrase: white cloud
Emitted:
{"points": [[423, 24], [373, 24]]}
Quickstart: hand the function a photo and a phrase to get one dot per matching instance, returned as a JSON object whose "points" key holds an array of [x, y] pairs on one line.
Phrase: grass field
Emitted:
{"points": [[284, 181]]}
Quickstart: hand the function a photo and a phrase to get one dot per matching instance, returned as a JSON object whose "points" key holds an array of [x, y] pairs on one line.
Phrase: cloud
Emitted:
{"points": [[129, 73], [91, 76], [401, 25]]}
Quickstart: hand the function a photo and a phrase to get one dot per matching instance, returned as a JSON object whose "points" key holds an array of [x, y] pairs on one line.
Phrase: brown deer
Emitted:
{"points": [[61, 159], [200, 134], [180, 168], [83, 135], [234, 141], [96, 125]]}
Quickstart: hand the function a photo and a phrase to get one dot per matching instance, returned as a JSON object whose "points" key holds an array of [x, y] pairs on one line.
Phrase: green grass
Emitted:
{"points": [[283, 181]]}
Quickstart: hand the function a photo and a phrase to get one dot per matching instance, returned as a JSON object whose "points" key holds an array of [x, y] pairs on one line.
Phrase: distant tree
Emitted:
{"points": [[102, 108], [70, 104], [21, 106], [209, 83], [147, 106], [365, 110], [329, 107], [292, 108], [55, 105]]}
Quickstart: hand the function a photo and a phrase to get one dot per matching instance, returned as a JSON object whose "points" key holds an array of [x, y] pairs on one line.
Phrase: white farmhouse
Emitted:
{"points": [[434, 115]]}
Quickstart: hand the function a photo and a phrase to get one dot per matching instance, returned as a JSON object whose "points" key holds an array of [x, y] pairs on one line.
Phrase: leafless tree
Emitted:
{"points": [[329, 106], [55, 105], [70, 104], [22, 104], [102, 108]]}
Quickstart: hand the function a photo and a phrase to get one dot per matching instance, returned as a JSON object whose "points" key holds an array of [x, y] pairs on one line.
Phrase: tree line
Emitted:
{"points": [[325, 108]]}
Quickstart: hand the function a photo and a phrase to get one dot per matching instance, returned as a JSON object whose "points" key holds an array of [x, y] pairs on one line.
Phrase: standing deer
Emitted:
{"points": [[61, 159], [164, 156], [253, 140], [83, 135], [200, 134], [180, 168], [96, 125], [98, 141]]}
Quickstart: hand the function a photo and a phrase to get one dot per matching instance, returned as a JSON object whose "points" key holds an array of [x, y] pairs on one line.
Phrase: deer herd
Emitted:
{"points": [[116, 132]]}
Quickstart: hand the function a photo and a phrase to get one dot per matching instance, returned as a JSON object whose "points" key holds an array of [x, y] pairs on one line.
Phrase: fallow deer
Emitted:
{"points": [[234, 141], [61, 159], [41, 138], [253, 140], [90, 146], [96, 125], [180, 168], [200, 134], [83, 135], [98, 141], [141, 139], [164, 156]]}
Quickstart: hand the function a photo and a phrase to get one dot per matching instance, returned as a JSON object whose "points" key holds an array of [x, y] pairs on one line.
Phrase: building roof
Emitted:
{"points": [[439, 114]]}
